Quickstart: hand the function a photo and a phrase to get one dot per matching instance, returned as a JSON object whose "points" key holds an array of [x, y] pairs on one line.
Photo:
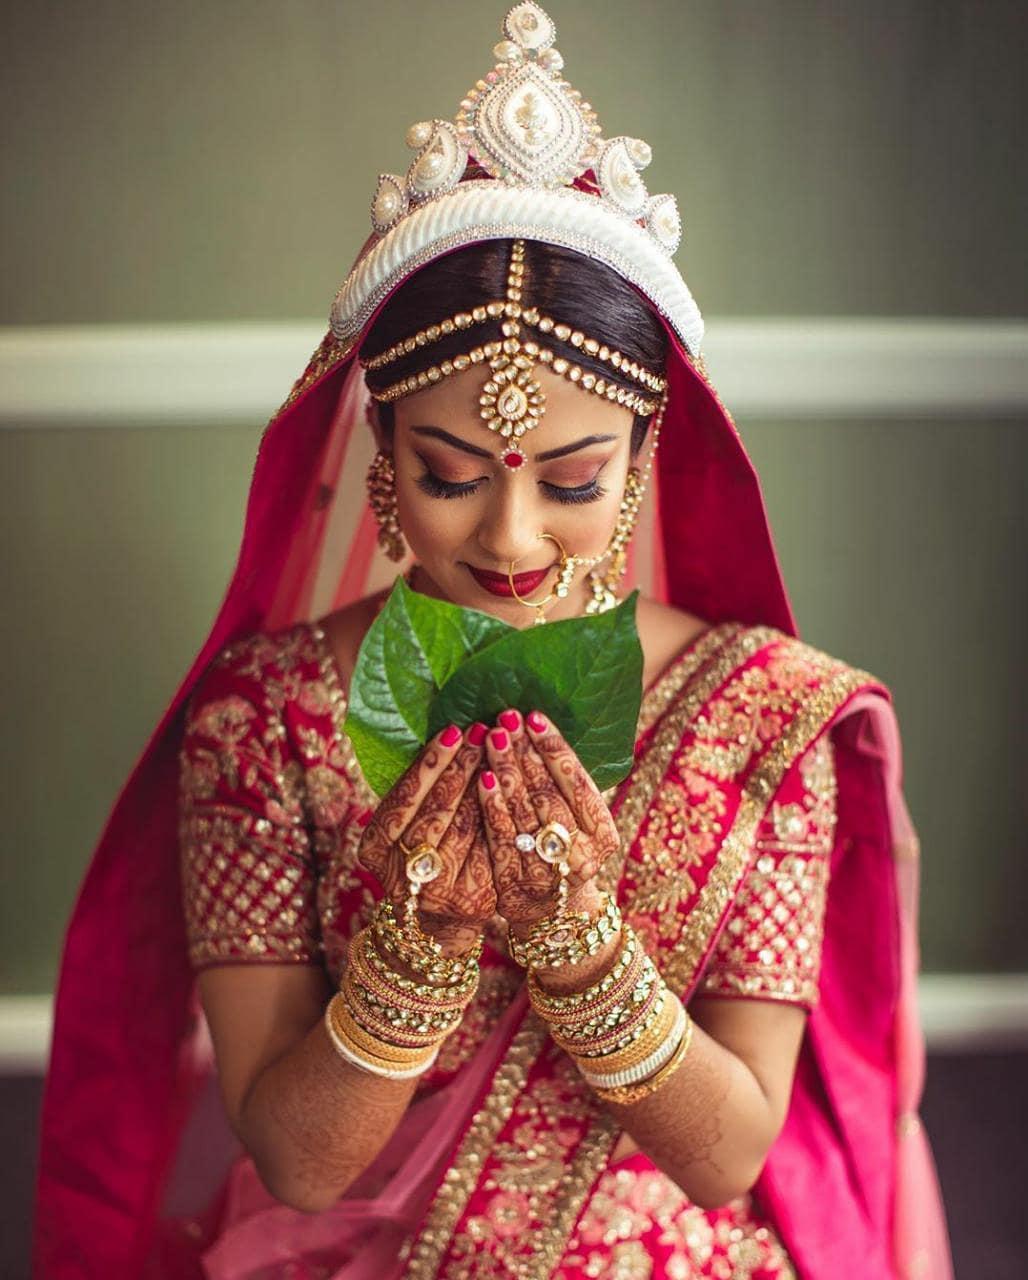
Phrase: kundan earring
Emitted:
{"points": [[606, 583], [381, 482]]}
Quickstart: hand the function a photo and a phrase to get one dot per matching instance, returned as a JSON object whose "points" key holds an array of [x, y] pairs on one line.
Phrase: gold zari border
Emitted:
{"points": [[329, 353], [679, 968]]}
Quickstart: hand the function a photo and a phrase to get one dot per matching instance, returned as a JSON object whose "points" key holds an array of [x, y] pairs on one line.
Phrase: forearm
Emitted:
{"points": [[709, 1127], [313, 1122]]}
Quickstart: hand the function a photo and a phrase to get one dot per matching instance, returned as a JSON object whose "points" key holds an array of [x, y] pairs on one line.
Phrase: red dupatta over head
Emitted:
{"points": [[130, 1060]]}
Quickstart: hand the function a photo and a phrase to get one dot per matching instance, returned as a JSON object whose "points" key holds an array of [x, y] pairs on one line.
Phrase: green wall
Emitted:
{"points": [[217, 160], [212, 162]]}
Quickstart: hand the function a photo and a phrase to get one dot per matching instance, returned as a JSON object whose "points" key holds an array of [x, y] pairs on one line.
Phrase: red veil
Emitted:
{"points": [[128, 1088]]}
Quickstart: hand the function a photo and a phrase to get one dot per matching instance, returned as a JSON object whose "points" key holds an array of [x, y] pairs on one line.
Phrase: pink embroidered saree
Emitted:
{"points": [[503, 1166]]}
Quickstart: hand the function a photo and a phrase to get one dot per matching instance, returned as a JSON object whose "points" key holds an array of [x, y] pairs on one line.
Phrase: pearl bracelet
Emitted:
{"points": [[355, 1059], [660, 1055]]}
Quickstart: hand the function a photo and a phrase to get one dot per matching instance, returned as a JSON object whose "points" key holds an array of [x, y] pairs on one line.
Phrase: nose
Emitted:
{"points": [[510, 525]]}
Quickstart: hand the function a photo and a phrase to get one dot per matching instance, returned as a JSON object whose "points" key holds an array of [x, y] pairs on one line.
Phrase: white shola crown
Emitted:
{"points": [[533, 133]]}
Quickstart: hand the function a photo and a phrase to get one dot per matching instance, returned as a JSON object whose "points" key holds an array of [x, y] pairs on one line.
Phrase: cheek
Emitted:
{"points": [[590, 524]]}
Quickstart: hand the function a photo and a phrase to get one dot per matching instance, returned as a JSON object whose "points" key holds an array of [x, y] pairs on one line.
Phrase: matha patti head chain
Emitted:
{"points": [[535, 137]]}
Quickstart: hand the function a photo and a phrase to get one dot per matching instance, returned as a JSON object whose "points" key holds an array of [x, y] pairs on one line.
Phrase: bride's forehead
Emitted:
{"points": [[568, 411]]}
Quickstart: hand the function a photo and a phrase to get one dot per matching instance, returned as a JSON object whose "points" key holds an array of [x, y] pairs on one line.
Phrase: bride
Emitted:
{"points": [[494, 1022]]}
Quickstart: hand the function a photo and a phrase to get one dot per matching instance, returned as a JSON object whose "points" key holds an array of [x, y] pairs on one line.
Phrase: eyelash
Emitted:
{"points": [[436, 487]]}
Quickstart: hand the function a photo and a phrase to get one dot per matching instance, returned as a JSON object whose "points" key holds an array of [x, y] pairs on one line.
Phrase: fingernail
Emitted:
{"points": [[488, 780], [450, 737], [510, 720], [536, 722], [477, 732], [499, 739]]}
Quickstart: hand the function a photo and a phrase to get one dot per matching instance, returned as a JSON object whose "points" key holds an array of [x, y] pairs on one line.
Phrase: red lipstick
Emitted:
{"points": [[498, 584]]}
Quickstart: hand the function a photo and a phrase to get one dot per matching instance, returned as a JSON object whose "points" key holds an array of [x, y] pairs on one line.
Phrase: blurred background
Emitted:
{"points": [[184, 189]]}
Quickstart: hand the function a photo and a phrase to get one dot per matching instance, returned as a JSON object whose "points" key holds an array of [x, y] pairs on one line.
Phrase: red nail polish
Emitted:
{"points": [[488, 780], [510, 720], [476, 734], [450, 737], [499, 739], [536, 722]]}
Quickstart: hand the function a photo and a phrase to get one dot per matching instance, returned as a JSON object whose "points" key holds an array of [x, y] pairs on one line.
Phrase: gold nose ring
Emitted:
{"points": [[565, 574]]}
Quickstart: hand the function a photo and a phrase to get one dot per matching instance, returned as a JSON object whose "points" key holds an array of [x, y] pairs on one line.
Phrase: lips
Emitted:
{"points": [[498, 584]]}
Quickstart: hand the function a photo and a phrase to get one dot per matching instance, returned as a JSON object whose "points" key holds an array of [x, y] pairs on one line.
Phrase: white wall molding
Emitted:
{"points": [[813, 367], [960, 1013]]}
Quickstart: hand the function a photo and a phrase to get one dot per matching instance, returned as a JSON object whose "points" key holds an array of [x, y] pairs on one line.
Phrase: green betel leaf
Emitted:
{"points": [[584, 673], [409, 652], [425, 663]]}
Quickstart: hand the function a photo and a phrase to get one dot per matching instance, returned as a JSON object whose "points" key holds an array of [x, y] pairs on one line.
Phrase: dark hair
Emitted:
{"points": [[573, 289]]}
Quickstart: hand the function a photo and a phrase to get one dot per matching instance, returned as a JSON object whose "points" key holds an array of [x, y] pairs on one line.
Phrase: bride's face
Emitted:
{"points": [[462, 509]]}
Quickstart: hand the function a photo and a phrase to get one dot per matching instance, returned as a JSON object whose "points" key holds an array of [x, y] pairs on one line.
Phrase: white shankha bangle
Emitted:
{"points": [[660, 1055], [356, 1060]]}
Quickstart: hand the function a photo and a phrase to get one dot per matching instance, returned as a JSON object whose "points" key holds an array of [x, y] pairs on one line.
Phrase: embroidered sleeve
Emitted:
{"points": [[770, 947], [249, 882]]}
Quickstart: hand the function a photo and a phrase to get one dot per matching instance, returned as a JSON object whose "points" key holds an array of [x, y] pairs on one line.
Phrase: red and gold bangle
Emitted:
{"points": [[637, 1020], [617, 1019], [381, 986], [599, 999], [380, 1051], [431, 993], [656, 1032], [379, 1022]]}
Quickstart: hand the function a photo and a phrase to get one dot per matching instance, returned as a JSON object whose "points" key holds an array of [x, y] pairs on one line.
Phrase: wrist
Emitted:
{"points": [[573, 979], [587, 899], [455, 942]]}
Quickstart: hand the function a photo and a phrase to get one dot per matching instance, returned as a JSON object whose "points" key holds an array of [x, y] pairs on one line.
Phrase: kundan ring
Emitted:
{"points": [[553, 842], [424, 864]]}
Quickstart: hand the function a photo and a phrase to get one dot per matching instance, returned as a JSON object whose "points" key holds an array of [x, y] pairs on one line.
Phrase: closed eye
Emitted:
{"points": [[436, 487]]}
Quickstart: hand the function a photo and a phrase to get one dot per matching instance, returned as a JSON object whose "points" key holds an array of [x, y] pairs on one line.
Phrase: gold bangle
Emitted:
{"points": [[602, 1035], [346, 1022], [394, 1026], [629, 1094], [599, 999], [349, 1029], [564, 941], [376, 984], [647, 1043], [603, 1030], [428, 993]]}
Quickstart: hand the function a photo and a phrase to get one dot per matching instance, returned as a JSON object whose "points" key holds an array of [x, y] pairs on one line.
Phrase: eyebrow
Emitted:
{"points": [[437, 433]]}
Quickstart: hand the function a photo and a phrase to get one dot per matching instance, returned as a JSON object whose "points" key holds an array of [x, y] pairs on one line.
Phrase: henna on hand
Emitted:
{"points": [[434, 803], [527, 799], [591, 813]]}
